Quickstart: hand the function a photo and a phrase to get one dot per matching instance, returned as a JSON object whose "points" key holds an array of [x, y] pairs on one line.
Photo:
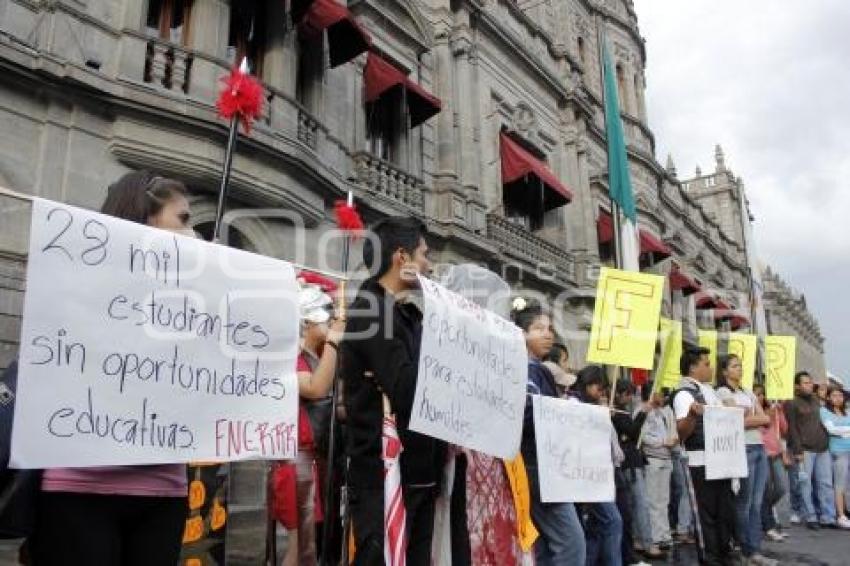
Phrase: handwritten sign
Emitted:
{"points": [[573, 451], [725, 450], [708, 339], [625, 318], [744, 346], [473, 369], [668, 373], [780, 365], [140, 346]]}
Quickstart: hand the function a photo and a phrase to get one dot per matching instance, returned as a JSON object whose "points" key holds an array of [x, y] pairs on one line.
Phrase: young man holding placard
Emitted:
{"points": [[715, 499], [380, 356]]}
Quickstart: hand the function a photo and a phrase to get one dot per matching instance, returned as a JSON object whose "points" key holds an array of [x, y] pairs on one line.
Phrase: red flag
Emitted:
{"points": [[395, 516]]}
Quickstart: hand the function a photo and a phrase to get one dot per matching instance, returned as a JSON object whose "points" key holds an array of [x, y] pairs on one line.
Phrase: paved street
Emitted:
{"points": [[803, 547]]}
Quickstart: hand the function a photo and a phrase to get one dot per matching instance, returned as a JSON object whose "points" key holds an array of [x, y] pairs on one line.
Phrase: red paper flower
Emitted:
{"points": [[347, 217], [241, 96]]}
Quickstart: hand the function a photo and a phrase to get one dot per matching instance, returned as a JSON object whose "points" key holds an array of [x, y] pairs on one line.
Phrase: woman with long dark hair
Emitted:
{"points": [[748, 501], [777, 461], [837, 423], [119, 515]]}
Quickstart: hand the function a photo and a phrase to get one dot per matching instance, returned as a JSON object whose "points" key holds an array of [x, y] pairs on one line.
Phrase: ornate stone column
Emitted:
{"points": [[465, 55], [447, 158]]}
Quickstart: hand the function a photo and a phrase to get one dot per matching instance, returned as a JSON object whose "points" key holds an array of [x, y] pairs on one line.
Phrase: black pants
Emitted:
{"points": [[367, 520], [716, 503], [81, 529]]}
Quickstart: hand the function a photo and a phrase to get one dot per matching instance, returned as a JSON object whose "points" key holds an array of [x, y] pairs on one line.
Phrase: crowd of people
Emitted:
{"points": [[463, 507], [796, 451]]}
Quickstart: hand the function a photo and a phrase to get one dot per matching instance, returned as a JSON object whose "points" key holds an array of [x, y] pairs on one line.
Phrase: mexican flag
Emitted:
{"points": [[619, 183]]}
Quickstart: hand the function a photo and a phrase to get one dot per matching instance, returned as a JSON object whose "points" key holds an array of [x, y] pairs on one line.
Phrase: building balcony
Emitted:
{"points": [[168, 65], [546, 259], [386, 181]]}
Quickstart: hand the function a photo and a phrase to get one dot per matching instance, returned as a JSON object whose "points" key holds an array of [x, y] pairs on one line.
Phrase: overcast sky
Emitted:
{"points": [[769, 81]]}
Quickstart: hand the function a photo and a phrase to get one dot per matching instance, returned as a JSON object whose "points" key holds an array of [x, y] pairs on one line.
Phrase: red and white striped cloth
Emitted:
{"points": [[395, 539]]}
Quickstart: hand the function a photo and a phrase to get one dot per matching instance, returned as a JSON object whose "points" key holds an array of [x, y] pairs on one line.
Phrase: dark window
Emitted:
{"points": [[386, 125], [310, 79], [247, 35], [581, 54], [169, 20], [524, 203], [621, 90]]}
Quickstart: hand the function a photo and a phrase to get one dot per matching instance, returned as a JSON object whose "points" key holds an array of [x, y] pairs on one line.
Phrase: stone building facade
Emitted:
{"points": [[90, 89], [788, 315]]}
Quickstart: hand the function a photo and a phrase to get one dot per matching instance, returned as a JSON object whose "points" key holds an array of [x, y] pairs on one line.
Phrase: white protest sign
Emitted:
{"points": [[725, 450], [140, 346], [574, 459], [473, 368]]}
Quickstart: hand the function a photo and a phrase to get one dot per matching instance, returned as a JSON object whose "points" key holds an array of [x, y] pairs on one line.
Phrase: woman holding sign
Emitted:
{"points": [[561, 536], [128, 515], [748, 500]]}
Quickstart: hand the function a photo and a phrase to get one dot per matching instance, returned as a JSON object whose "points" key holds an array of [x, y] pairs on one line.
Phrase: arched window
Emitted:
{"points": [[621, 89], [582, 56], [639, 97]]}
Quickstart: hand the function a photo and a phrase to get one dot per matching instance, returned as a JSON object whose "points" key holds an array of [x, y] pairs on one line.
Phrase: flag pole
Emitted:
{"points": [[348, 221], [225, 176], [746, 232], [620, 372]]}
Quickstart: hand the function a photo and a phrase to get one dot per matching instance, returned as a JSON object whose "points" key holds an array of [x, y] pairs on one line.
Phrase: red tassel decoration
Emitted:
{"points": [[347, 217], [242, 95]]}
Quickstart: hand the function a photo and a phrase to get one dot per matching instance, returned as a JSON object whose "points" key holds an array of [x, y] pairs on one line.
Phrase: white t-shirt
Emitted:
{"points": [[682, 405], [747, 401]]}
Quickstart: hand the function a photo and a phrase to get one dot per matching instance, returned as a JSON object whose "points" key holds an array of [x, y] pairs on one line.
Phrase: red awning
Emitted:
{"points": [[707, 301], [651, 244], [346, 39], [604, 227], [518, 163], [648, 242], [739, 321], [381, 76], [680, 281]]}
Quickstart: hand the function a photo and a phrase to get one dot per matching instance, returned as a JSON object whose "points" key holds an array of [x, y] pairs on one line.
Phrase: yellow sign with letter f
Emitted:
{"points": [[625, 319]]}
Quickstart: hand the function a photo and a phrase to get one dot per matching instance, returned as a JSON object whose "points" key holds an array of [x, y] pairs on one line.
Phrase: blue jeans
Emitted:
{"points": [[561, 540], [604, 531], [748, 501], [797, 505], [641, 529], [817, 467], [679, 500]]}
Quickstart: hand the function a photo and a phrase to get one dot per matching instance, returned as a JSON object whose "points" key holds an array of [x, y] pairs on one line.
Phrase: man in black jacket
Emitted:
{"points": [[381, 356]]}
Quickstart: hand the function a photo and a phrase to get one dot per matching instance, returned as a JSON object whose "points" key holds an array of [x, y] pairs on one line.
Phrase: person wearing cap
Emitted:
{"points": [[316, 367]]}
